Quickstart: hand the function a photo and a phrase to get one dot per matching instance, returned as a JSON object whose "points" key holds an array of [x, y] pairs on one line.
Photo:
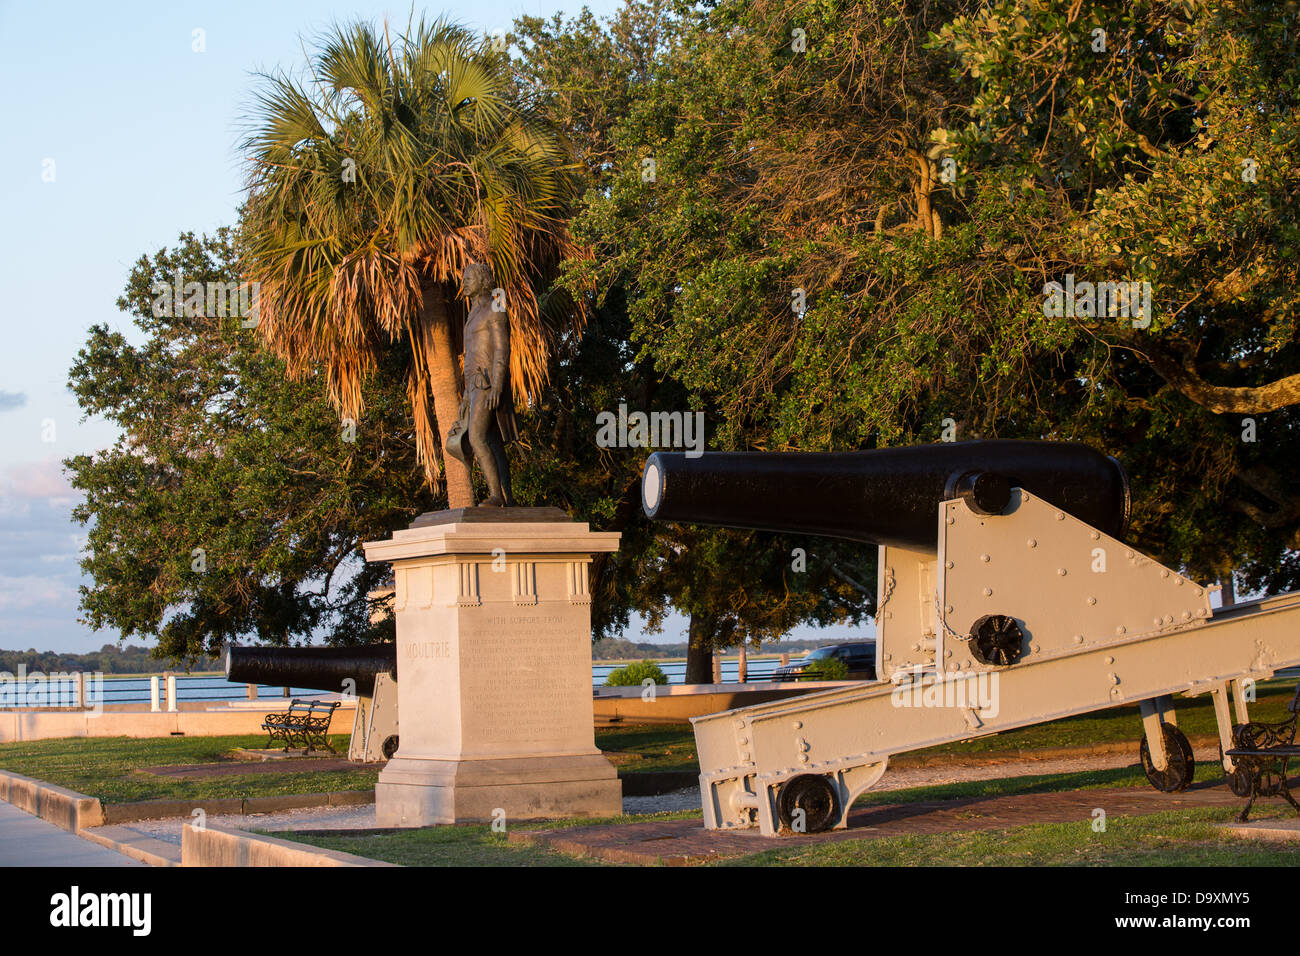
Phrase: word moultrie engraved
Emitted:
{"points": [[429, 649]]}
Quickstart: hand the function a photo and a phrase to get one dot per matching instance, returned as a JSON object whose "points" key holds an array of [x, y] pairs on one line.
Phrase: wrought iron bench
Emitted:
{"points": [[305, 724], [1260, 753]]}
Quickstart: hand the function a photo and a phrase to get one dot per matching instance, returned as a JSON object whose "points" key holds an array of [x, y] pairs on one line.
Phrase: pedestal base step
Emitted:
{"points": [[415, 791]]}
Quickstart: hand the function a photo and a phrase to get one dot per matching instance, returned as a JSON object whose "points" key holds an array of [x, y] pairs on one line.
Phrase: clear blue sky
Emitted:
{"points": [[136, 130]]}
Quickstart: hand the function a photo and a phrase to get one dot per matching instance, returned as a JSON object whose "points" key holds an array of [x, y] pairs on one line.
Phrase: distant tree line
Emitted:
{"points": [[617, 649], [108, 660]]}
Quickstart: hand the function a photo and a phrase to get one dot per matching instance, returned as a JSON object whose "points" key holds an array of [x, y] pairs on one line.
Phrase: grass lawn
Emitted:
{"points": [[468, 844], [661, 746], [441, 846], [105, 767], [1176, 838]]}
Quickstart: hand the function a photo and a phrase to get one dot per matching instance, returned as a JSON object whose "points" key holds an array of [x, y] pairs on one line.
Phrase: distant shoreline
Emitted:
{"points": [[54, 662]]}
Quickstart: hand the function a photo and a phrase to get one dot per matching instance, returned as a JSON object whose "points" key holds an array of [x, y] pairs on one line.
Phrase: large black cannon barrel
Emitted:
{"points": [[887, 496], [319, 668]]}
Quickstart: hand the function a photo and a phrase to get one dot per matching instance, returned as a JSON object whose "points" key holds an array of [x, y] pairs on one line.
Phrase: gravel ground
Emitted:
{"points": [[315, 818], [347, 818]]}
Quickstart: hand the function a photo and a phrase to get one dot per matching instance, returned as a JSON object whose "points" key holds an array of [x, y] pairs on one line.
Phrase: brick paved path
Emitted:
{"points": [[681, 842]]}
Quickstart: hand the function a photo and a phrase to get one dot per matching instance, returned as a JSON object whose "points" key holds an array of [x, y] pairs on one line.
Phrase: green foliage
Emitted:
{"points": [[826, 668], [234, 503], [631, 675], [371, 187], [1167, 157], [618, 649], [776, 170], [734, 586], [225, 454], [820, 172]]}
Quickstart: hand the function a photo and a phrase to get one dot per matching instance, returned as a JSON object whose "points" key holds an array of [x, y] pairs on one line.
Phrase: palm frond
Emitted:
{"points": [[407, 159]]}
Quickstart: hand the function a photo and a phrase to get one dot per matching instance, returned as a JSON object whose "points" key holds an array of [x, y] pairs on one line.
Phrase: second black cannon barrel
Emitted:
{"points": [[886, 496], [317, 668]]}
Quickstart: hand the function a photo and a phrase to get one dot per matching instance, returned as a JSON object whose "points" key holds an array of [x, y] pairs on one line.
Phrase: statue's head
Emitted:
{"points": [[476, 279]]}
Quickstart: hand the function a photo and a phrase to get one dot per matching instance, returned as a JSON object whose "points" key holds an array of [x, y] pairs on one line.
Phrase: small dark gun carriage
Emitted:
{"points": [[366, 672]]}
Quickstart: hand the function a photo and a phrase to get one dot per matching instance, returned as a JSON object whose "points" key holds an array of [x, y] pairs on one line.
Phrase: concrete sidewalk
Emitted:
{"points": [[27, 840]]}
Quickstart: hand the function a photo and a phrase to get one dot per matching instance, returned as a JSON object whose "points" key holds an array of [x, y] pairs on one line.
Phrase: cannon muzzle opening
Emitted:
{"points": [[886, 496]]}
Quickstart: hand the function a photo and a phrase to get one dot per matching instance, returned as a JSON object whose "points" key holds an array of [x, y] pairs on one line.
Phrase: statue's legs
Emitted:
{"points": [[485, 439], [502, 466]]}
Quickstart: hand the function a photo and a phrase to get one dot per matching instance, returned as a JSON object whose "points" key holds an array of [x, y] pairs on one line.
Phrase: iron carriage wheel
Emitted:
{"points": [[815, 795], [1181, 767]]}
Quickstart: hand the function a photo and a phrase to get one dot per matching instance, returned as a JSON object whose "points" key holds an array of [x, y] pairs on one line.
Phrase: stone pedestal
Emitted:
{"points": [[494, 670]]}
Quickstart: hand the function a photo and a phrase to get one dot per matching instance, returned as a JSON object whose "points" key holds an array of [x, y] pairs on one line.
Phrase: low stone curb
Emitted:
{"points": [[88, 818], [64, 808], [135, 845], [1287, 831], [162, 809], [219, 846], [83, 816]]}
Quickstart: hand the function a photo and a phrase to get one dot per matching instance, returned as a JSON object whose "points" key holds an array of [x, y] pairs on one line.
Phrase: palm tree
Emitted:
{"points": [[372, 186]]}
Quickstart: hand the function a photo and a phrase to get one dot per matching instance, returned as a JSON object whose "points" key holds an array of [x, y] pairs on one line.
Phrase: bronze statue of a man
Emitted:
{"points": [[486, 419]]}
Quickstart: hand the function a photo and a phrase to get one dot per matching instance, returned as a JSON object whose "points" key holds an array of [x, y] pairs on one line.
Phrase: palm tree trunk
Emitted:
{"points": [[444, 382]]}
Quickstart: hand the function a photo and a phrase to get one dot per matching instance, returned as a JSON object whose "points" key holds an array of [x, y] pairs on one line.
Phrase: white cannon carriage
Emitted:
{"points": [[1020, 613]]}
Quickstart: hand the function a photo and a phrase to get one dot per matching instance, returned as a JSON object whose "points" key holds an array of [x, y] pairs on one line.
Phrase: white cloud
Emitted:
{"points": [[37, 481], [40, 546], [30, 592]]}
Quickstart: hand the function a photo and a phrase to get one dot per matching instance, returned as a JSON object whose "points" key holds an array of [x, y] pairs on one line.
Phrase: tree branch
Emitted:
{"points": [[1253, 399]]}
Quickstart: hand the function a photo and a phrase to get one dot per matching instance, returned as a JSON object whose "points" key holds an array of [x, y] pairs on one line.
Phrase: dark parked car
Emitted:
{"points": [[860, 656]]}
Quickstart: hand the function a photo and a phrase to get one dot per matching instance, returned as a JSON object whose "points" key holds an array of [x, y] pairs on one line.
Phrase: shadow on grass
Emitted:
{"points": [[1009, 786], [1192, 837]]}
